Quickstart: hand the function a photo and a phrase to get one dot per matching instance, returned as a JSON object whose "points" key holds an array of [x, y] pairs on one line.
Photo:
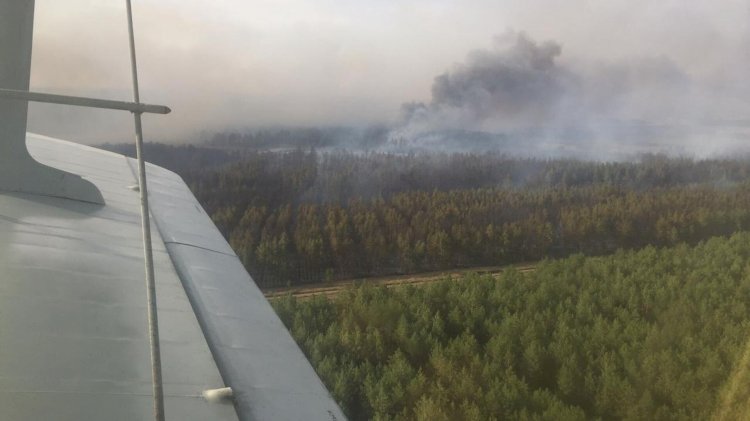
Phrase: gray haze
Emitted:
{"points": [[606, 71], [522, 89]]}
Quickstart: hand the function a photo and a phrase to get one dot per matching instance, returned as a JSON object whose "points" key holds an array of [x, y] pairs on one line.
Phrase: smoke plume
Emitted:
{"points": [[536, 102], [519, 84]]}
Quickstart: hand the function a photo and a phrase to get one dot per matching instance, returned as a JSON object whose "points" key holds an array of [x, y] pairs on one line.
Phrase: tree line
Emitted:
{"points": [[222, 178], [303, 216], [420, 231], [275, 179]]}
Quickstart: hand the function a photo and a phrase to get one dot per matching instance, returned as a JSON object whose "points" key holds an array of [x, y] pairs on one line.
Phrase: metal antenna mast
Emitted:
{"points": [[153, 323]]}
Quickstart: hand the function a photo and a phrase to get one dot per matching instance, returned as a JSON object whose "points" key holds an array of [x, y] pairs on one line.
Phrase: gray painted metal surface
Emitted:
{"points": [[18, 171], [78, 101], [73, 332], [73, 337], [270, 377]]}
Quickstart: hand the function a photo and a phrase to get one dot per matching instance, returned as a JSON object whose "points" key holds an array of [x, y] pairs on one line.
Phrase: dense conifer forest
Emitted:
{"points": [[640, 335], [637, 310]]}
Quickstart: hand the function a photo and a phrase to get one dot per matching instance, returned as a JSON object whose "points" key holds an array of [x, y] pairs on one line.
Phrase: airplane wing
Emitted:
{"points": [[73, 330], [75, 340]]}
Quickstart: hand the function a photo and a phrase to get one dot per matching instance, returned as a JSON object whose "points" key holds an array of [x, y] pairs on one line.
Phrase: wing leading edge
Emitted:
{"points": [[257, 357]]}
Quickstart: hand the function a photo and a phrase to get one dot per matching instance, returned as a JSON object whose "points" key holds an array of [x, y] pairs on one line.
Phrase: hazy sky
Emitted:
{"points": [[248, 63]]}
